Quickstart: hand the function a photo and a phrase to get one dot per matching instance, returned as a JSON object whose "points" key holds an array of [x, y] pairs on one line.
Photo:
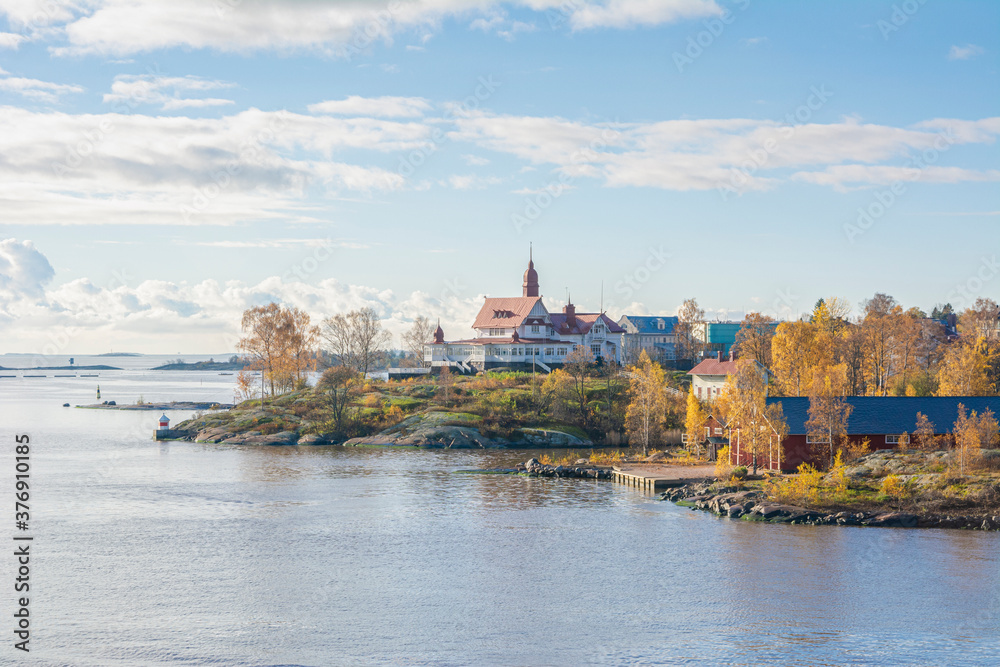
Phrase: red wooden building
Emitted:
{"points": [[884, 421]]}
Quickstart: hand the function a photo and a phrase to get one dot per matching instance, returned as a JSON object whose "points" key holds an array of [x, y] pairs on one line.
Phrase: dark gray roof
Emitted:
{"points": [[876, 415], [647, 324]]}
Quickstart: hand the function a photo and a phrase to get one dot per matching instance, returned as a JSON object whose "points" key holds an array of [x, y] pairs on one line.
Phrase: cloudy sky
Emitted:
{"points": [[166, 164]]}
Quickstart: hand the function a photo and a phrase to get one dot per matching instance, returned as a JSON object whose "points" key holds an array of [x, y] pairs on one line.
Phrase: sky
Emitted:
{"points": [[166, 164]]}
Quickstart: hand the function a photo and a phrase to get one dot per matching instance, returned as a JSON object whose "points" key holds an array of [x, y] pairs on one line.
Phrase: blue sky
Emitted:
{"points": [[164, 165]]}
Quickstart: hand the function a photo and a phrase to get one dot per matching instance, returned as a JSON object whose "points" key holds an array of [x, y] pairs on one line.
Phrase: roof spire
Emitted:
{"points": [[530, 284]]}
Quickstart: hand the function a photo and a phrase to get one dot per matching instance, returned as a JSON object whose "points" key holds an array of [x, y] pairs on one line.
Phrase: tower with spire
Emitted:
{"points": [[530, 285]]}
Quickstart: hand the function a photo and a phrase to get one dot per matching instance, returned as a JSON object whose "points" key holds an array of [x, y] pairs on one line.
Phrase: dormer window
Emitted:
{"points": [[659, 325]]}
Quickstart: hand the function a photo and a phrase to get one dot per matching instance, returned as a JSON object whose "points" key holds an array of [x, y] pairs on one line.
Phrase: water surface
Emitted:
{"points": [[190, 554]]}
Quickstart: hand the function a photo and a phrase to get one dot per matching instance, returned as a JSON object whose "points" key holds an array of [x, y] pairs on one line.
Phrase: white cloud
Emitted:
{"points": [[965, 52], [43, 91], [471, 181], [345, 28], [843, 177], [155, 315], [475, 160], [713, 153], [132, 168], [382, 107], [282, 243], [10, 40], [632, 13], [133, 90], [24, 271], [498, 22], [170, 105]]}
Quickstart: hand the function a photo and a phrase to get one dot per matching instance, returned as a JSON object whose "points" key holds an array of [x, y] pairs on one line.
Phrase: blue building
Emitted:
{"points": [[655, 334]]}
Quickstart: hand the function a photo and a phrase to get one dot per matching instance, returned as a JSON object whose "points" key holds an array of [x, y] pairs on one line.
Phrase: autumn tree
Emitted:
{"points": [[974, 433], [578, 365], [647, 403], [754, 338], [758, 427], [924, 434], [336, 386], [357, 339], [299, 357], [792, 353], [279, 342], [689, 318], [964, 371], [694, 419], [828, 411], [445, 381], [888, 341], [852, 355], [557, 395], [831, 314], [420, 333], [982, 320]]}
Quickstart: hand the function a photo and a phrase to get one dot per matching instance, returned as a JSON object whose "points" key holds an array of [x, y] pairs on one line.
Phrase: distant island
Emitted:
{"points": [[119, 354], [64, 368], [234, 364]]}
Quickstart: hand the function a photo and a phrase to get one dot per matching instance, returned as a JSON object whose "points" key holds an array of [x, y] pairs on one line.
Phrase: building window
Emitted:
{"points": [[897, 439], [817, 439], [561, 351], [699, 392], [595, 349], [534, 328], [684, 437], [718, 431], [659, 325], [548, 352]]}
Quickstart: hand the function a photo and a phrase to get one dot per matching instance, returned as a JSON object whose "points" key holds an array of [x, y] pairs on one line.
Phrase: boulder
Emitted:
{"points": [[894, 519], [315, 439]]}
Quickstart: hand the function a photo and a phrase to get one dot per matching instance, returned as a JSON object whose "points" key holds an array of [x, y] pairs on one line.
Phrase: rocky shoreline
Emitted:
{"points": [[534, 468], [753, 506]]}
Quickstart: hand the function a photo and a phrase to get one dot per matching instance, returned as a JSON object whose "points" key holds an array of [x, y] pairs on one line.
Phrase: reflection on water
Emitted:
{"points": [[190, 554]]}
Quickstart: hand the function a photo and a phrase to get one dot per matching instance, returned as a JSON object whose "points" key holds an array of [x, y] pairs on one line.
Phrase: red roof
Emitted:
{"points": [[584, 322], [504, 311], [713, 367], [509, 340]]}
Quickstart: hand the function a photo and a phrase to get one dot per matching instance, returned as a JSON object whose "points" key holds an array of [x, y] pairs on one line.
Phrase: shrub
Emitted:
{"points": [[723, 469], [894, 487], [739, 472]]}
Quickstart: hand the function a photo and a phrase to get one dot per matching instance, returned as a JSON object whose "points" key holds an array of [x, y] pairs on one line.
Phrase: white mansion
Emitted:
{"points": [[520, 330]]}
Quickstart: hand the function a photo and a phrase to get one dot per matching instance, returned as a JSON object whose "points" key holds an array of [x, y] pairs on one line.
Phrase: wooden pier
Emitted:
{"points": [[650, 481]]}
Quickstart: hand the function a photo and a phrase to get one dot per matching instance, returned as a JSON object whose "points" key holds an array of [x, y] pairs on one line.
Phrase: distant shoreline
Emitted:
{"points": [[64, 368]]}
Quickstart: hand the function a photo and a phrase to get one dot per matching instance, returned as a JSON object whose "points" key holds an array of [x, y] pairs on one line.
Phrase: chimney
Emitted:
{"points": [[732, 354], [570, 311], [719, 355]]}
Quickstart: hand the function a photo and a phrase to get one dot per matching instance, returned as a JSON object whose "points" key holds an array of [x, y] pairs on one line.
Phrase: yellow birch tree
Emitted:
{"points": [[647, 402]]}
